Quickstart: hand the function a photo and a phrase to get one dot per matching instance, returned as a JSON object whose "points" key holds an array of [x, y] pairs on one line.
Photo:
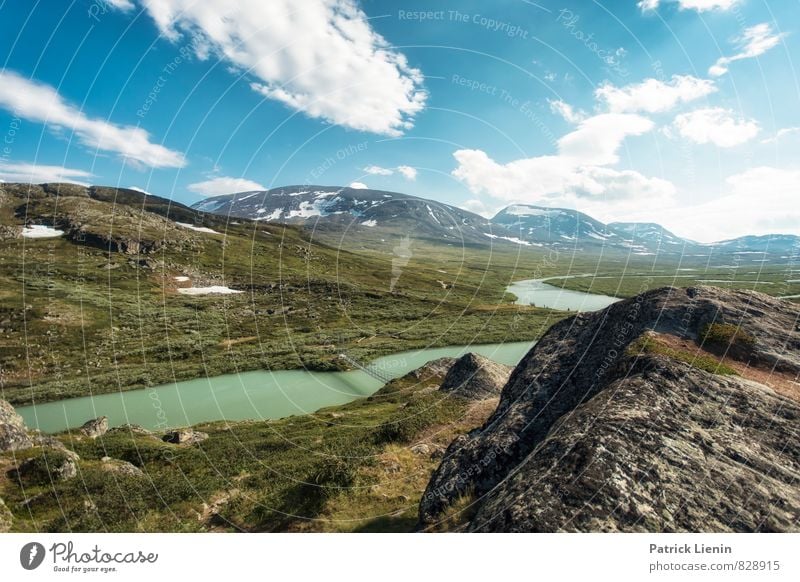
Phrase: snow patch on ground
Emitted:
{"points": [[212, 290], [197, 228], [181, 278], [41, 231], [370, 223]]}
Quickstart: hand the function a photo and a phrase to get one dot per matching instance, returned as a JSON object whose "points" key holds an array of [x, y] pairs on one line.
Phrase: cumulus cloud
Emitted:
{"points": [[578, 175], [782, 133], [407, 172], [41, 103], [555, 180], [597, 139], [358, 186], [755, 41], [40, 174], [224, 185], [716, 125], [653, 95], [320, 57], [378, 171], [698, 5], [748, 207], [566, 111]]}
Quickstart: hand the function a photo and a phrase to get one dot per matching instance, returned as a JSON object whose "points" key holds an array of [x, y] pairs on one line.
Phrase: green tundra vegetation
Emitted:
{"points": [[358, 467], [99, 309]]}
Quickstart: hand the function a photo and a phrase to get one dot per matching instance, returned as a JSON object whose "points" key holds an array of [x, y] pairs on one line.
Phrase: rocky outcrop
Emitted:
{"points": [[475, 377], [95, 427], [13, 436], [185, 436], [50, 465], [433, 369], [121, 467], [597, 432]]}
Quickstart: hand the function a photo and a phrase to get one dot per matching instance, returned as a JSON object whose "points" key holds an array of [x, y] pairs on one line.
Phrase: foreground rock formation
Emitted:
{"points": [[474, 377], [676, 410], [13, 436]]}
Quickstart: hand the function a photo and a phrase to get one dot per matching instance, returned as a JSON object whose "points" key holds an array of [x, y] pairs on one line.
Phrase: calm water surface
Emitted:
{"points": [[249, 395]]}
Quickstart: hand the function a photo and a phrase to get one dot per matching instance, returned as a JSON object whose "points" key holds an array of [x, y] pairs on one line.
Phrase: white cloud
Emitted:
{"points": [[124, 5], [755, 41], [320, 57], [760, 200], [554, 180], [378, 171], [42, 104], [358, 186], [566, 111], [716, 125], [577, 176], [39, 174], [698, 5], [479, 207], [781, 133], [596, 140], [654, 96], [224, 185], [407, 172]]}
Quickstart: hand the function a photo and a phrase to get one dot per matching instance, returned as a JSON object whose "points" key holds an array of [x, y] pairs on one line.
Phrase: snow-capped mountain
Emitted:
{"points": [[553, 225], [365, 213], [327, 207], [647, 233]]}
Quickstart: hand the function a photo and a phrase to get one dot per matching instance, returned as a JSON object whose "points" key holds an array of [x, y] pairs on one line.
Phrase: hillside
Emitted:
{"points": [[104, 290], [673, 411]]}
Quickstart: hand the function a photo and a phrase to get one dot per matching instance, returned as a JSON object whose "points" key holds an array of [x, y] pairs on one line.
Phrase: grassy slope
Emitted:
{"points": [[75, 317], [348, 469]]}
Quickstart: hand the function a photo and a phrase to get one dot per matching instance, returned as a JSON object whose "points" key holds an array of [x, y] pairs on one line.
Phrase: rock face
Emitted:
{"points": [[185, 436], [475, 377], [13, 436], [95, 427], [594, 432]]}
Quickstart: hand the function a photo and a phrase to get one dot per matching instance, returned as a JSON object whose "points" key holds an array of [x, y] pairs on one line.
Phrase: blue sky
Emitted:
{"points": [[683, 112]]}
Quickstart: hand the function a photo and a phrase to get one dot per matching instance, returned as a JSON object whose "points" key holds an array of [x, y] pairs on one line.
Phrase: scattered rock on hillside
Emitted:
{"points": [[121, 467], [132, 429], [50, 465], [95, 427], [185, 436], [594, 434], [13, 436], [475, 377]]}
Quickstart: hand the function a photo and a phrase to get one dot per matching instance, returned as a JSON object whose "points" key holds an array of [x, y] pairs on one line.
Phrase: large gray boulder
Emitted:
{"points": [[95, 427], [13, 435], [474, 377], [595, 431]]}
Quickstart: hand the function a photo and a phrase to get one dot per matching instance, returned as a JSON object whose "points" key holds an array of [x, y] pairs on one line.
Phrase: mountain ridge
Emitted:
{"points": [[336, 208]]}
